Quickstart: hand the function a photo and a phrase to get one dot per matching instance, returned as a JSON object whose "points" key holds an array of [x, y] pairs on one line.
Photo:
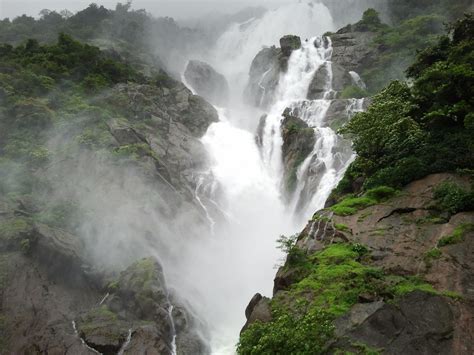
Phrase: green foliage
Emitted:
{"points": [[350, 205], [295, 255], [305, 333], [370, 21], [457, 236], [402, 286], [409, 132], [453, 198], [342, 227], [431, 255], [353, 92]]}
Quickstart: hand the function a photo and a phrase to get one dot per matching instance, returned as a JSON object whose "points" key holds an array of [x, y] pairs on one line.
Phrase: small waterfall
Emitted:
{"points": [[173, 330], [126, 343], [357, 80], [104, 298], [199, 184], [264, 90], [82, 340]]}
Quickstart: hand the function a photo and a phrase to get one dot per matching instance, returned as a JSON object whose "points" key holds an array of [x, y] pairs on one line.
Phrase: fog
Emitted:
{"points": [[215, 262], [178, 9]]}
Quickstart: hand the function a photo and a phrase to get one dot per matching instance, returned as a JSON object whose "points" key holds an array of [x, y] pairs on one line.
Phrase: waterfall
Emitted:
{"points": [[323, 168], [223, 270], [173, 330]]}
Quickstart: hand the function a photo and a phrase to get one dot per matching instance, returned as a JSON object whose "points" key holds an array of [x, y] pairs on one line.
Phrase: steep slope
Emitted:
{"points": [[81, 139]]}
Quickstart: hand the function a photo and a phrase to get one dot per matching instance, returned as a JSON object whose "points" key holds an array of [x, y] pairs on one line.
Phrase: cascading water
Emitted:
{"points": [[239, 258]]}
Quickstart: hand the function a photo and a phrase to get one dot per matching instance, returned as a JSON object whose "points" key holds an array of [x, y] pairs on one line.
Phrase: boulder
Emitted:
{"points": [[207, 82], [257, 310], [289, 43]]}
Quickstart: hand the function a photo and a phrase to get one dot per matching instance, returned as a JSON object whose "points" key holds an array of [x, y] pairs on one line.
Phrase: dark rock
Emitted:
{"points": [[260, 130], [147, 340], [207, 82], [421, 324], [320, 83], [260, 311], [263, 77], [298, 143], [253, 302], [290, 43], [352, 50]]}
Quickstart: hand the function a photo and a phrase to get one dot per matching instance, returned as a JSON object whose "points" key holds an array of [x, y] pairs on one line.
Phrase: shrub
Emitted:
{"points": [[453, 198], [457, 236], [355, 92]]}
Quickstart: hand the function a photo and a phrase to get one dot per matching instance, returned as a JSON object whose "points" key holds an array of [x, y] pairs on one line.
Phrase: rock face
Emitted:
{"points": [[53, 302], [431, 311], [207, 82], [263, 77], [352, 49], [298, 143], [266, 69], [165, 126]]}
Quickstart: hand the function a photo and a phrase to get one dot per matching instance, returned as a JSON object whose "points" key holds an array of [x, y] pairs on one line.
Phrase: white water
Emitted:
{"points": [[241, 194], [239, 259]]}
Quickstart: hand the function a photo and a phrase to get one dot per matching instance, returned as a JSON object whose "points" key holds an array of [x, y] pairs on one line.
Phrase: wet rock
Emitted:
{"points": [[147, 340], [298, 143], [263, 77], [102, 330], [321, 81], [289, 43], [207, 82]]}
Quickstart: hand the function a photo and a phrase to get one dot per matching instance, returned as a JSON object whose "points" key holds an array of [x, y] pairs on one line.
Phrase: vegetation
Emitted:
{"points": [[411, 131], [350, 205], [457, 236], [302, 317], [453, 198]]}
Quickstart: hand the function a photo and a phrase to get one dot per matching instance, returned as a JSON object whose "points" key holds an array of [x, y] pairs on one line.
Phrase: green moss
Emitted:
{"points": [[434, 253], [457, 236], [350, 205], [405, 285], [12, 227], [342, 227]]}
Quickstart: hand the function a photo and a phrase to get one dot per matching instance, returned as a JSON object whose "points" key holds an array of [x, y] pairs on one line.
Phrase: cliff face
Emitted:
{"points": [[392, 273], [57, 295]]}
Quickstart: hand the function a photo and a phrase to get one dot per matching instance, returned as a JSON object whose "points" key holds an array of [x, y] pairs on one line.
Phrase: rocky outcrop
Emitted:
{"points": [[319, 85], [52, 301], [352, 49], [263, 77], [265, 71], [207, 82], [419, 298], [298, 143], [164, 127], [289, 43]]}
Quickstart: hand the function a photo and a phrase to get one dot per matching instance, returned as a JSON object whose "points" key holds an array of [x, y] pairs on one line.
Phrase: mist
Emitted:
{"points": [[208, 198]]}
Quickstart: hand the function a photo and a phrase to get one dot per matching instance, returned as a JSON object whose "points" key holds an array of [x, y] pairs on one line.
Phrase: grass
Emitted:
{"points": [[350, 205], [342, 227], [457, 236]]}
